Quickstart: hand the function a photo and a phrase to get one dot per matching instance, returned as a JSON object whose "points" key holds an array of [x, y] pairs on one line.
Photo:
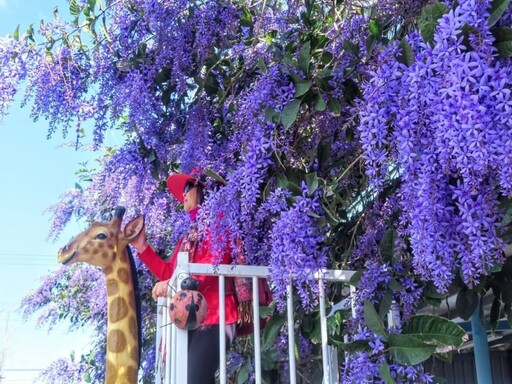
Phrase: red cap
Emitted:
{"points": [[176, 184]]}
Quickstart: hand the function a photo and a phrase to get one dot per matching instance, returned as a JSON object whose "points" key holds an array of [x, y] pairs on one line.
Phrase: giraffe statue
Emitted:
{"points": [[105, 245]]}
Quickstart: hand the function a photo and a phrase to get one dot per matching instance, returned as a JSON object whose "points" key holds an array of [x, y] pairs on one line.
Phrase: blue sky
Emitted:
{"points": [[34, 173]]}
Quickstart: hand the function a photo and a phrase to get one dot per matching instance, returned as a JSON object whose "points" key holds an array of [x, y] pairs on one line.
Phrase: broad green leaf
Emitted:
{"points": [[320, 103], [385, 373], [271, 330], [243, 373], [334, 106], [373, 320], [466, 303], [301, 88], [272, 115], [429, 19], [503, 41], [305, 57], [289, 113], [356, 277], [498, 7], [435, 330], [387, 245], [408, 350], [385, 303]]}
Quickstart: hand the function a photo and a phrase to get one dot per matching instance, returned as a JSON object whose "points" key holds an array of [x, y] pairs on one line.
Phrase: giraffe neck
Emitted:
{"points": [[122, 356]]}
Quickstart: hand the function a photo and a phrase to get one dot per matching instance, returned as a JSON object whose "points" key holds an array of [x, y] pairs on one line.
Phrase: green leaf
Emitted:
{"points": [[432, 292], [356, 277], [301, 88], [373, 320], [498, 7], [215, 176], [271, 330], [334, 106], [371, 40], [446, 357], [352, 347], [385, 373], [243, 373], [408, 350], [374, 27], [429, 19], [387, 245], [503, 41], [16, 33], [74, 8], [272, 115], [305, 57], [435, 330], [312, 182], [466, 303], [289, 113], [320, 103], [395, 286], [385, 303], [406, 56]]}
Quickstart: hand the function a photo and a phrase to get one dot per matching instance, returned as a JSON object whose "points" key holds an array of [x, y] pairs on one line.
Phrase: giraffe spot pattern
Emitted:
{"points": [[117, 310], [108, 270], [112, 287], [111, 377], [116, 341], [124, 275]]}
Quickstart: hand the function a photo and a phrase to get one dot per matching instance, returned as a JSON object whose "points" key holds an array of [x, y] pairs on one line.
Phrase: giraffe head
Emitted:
{"points": [[101, 243]]}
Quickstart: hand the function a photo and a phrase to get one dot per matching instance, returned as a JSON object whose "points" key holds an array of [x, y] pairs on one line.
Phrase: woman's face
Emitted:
{"points": [[190, 197]]}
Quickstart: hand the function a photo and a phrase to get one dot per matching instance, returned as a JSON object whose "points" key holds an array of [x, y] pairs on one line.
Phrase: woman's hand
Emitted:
{"points": [[160, 289]]}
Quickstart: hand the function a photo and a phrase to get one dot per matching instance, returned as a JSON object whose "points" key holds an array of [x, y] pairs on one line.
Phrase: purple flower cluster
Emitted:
{"points": [[442, 125], [62, 371], [12, 70], [296, 251]]}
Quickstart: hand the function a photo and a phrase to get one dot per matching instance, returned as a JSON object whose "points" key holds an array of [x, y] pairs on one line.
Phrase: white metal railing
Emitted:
{"points": [[170, 367]]}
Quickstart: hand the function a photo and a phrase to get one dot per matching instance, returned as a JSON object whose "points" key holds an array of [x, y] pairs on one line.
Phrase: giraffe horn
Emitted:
{"points": [[119, 212]]}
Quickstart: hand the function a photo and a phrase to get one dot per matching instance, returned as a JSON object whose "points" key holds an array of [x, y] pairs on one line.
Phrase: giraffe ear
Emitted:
{"points": [[133, 228]]}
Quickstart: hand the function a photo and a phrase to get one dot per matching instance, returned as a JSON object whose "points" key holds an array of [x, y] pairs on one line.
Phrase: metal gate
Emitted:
{"points": [[171, 365]]}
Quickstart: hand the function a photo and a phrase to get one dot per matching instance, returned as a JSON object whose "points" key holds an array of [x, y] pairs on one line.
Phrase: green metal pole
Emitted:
{"points": [[481, 348]]}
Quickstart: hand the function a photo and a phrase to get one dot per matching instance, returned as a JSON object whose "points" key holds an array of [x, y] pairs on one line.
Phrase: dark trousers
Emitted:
{"points": [[203, 354]]}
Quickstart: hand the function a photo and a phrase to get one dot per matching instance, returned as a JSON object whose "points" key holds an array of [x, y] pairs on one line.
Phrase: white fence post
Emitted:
{"points": [[291, 334]]}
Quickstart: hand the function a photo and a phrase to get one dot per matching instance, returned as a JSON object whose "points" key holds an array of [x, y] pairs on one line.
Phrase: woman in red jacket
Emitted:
{"points": [[203, 342]]}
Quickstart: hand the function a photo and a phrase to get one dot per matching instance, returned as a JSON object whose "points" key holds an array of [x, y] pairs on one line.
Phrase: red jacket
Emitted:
{"points": [[208, 284]]}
